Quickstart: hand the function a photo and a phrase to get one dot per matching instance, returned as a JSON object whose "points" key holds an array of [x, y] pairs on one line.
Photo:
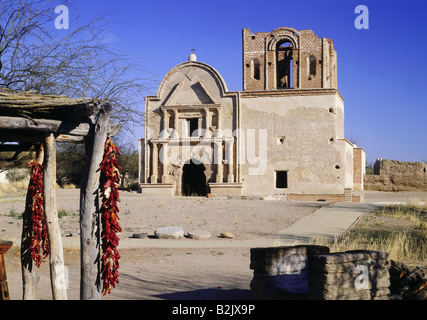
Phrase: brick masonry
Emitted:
{"points": [[306, 45]]}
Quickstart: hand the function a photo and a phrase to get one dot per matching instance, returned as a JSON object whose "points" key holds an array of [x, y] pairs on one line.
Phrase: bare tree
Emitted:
{"points": [[78, 62], [71, 159]]}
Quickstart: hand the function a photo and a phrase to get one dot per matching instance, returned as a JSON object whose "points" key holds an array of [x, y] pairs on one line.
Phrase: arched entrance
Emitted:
{"points": [[193, 179]]}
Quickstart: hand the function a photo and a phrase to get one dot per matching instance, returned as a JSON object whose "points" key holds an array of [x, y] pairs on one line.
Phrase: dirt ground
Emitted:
{"points": [[209, 273]]}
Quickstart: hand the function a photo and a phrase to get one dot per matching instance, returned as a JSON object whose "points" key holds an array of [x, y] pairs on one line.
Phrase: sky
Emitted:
{"points": [[382, 71]]}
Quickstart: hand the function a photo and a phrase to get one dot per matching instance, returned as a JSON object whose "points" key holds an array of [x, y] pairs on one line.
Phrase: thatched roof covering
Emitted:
{"points": [[26, 118], [34, 105]]}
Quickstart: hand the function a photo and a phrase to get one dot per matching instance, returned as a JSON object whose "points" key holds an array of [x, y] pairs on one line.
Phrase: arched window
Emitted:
{"points": [[312, 65], [255, 69], [284, 64]]}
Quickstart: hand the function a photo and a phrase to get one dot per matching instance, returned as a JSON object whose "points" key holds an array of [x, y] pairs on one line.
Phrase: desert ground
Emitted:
{"points": [[152, 273]]}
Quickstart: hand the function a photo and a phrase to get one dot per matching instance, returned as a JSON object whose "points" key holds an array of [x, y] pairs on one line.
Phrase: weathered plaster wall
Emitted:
{"points": [[303, 133], [359, 168]]}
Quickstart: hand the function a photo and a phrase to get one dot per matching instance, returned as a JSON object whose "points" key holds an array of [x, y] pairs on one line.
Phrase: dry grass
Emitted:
{"points": [[14, 189], [400, 230], [19, 188], [67, 186]]}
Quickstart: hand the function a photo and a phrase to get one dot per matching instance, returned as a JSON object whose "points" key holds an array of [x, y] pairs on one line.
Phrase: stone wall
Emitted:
{"points": [[351, 275], [394, 167], [393, 175], [313, 273], [282, 272]]}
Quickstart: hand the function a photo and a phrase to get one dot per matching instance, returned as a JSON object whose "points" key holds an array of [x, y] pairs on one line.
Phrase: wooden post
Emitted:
{"points": [[4, 290], [90, 285], [56, 256], [29, 277]]}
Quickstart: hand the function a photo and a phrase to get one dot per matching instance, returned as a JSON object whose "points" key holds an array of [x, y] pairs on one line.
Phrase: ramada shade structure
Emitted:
{"points": [[27, 117], [30, 126]]}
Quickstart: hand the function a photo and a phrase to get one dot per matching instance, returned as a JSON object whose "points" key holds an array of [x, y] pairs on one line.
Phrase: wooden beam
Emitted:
{"points": [[26, 128], [113, 130], [56, 255], [44, 125], [70, 138], [90, 286]]}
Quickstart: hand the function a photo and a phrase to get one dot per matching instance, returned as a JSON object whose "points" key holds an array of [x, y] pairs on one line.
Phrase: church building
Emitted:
{"points": [[281, 136]]}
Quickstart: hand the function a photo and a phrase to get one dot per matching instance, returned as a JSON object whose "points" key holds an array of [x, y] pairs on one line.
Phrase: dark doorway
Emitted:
{"points": [[193, 125], [193, 179], [281, 179]]}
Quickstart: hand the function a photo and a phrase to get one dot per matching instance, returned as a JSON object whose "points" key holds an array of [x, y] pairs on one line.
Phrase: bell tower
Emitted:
{"points": [[287, 59]]}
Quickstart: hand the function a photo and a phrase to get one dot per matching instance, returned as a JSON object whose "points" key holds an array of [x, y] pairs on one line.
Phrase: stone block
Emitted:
{"points": [[351, 275], [170, 232], [199, 234]]}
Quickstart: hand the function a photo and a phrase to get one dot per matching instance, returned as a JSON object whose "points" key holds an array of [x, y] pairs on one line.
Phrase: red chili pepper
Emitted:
{"points": [[39, 237], [109, 180]]}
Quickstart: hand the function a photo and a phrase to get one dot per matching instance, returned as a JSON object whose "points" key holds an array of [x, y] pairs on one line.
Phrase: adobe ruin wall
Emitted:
{"points": [[393, 175]]}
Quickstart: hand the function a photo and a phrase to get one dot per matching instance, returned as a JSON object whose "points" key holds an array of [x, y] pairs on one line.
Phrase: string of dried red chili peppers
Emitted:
{"points": [[109, 182], [39, 239]]}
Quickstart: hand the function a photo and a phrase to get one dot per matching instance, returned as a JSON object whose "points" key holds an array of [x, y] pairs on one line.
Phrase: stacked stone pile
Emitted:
{"points": [[350, 275], [282, 272]]}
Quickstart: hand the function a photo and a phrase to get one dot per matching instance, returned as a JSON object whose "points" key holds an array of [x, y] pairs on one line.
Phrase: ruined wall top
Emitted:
{"points": [[394, 167]]}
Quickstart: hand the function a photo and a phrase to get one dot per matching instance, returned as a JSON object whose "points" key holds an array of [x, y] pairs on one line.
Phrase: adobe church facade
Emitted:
{"points": [[282, 135]]}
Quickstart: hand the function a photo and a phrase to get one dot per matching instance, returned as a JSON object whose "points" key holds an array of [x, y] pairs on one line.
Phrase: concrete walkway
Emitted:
{"points": [[327, 222]]}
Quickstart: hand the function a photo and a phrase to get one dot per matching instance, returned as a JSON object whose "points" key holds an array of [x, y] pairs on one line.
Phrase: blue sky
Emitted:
{"points": [[382, 71]]}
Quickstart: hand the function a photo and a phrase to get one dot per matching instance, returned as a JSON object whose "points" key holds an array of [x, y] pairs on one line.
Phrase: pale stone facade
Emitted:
{"points": [[282, 135]]}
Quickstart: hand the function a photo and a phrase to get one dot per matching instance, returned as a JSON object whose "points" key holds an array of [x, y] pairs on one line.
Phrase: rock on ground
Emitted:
{"points": [[199, 234], [170, 232]]}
